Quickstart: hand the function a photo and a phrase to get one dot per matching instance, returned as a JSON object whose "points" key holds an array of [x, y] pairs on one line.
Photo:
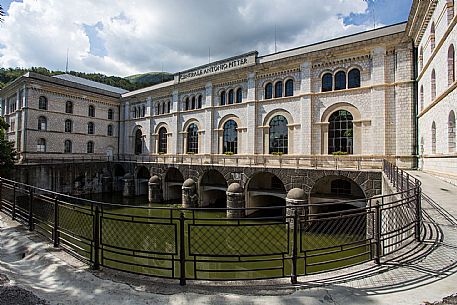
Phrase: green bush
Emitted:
{"points": [[339, 153]]}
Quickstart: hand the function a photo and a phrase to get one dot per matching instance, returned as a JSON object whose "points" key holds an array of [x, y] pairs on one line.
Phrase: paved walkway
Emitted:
{"points": [[428, 272]]}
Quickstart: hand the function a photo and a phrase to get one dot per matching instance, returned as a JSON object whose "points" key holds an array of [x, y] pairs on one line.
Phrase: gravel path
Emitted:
{"points": [[13, 295]]}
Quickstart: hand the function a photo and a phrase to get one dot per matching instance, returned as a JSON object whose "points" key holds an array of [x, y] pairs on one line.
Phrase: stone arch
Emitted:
{"points": [[265, 189], [356, 121], [190, 121], [266, 129], [157, 136], [172, 183], [142, 176], [212, 187]]}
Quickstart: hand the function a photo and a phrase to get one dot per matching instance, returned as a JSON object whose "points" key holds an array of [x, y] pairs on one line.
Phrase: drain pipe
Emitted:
{"points": [[415, 110]]}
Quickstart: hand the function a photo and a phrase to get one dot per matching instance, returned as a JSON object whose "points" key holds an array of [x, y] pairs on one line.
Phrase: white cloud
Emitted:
{"points": [[143, 35]]}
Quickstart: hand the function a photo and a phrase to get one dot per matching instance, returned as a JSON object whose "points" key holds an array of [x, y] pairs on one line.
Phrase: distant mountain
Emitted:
{"points": [[130, 83], [150, 78]]}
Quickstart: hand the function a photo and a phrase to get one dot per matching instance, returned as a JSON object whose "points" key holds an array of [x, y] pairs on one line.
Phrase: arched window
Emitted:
{"points": [[279, 135], [421, 58], [230, 137], [192, 139], [451, 131], [289, 87], [187, 104], [164, 108], [231, 97], [354, 78], [43, 103], [278, 89], [90, 128], [134, 113], [433, 85], [69, 107], [239, 95], [68, 126], [268, 91], [138, 142], [91, 111], [193, 102], [169, 107], [200, 102], [340, 132], [90, 147], [450, 11], [41, 145], [162, 140], [340, 80], [422, 97], [432, 36], [42, 123], [433, 138], [223, 98], [144, 111], [67, 147], [159, 108], [110, 130], [327, 82], [451, 65], [110, 114]]}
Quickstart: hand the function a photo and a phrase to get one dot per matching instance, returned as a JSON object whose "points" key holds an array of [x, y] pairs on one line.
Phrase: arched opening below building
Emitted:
{"points": [[212, 190], [172, 185], [265, 190], [142, 179], [118, 174]]}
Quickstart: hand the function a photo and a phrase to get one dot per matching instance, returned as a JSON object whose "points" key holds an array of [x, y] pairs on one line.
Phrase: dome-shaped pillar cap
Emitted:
{"points": [[154, 179], [296, 194], [235, 188], [128, 176], [189, 183]]}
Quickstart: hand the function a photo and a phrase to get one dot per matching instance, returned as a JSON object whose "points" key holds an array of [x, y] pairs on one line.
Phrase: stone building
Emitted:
{"points": [[431, 26]]}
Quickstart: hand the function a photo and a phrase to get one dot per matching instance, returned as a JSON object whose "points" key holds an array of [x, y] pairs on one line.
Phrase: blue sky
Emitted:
{"points": [[115, 38]]}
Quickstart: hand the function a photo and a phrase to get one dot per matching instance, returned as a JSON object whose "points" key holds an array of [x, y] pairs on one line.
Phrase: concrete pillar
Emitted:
{"points": [[129, 185], [235, 199], [189, 194], [295, 197], [155, 190]]}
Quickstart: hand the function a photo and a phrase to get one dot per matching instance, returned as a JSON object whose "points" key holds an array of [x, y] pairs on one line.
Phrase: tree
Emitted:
{"points": [[7, 151]]}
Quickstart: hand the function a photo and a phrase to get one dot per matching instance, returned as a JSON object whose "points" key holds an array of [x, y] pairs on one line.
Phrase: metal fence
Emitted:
{"points": [[187, 244]]}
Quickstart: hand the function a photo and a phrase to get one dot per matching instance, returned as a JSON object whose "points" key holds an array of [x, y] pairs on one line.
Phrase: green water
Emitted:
{"points": [[147, 240]]}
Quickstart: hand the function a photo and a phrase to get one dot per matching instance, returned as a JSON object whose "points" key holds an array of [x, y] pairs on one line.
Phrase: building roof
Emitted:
{"points": [[89, 83]]}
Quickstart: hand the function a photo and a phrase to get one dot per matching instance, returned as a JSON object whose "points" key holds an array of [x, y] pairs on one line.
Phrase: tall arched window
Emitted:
{"points": [[354, 78], [169, 107], [42, 123], [68, 126], [340, 80], [162, 140], [231, 97], [450, 65], [239, 95], [433, 138], [91, 111], [187, 104], [199, 102], [451, 131], [433, 85], [422, 97], [194, 105], [144, 111], [138, 142], [340, 132], [432, 36], [278, 89], [450, 11], [327, 82], [134, 113], [421, 58], [230, 137], [90, 128], [192, 139], [279, 135], [90, 147], [268, 91], [43, 103], [289, 87], [110, 114], [223, 98], [41, 145], [69, 107], [67, 147], [110, 130]]}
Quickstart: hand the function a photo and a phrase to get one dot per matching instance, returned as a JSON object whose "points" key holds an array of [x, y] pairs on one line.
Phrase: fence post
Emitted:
{"points": [[378, 225], [182, 251], [418, 213], [96, 223], [13, 211], [55, 231], [293, 277], [1, 188], [31, 209]]}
